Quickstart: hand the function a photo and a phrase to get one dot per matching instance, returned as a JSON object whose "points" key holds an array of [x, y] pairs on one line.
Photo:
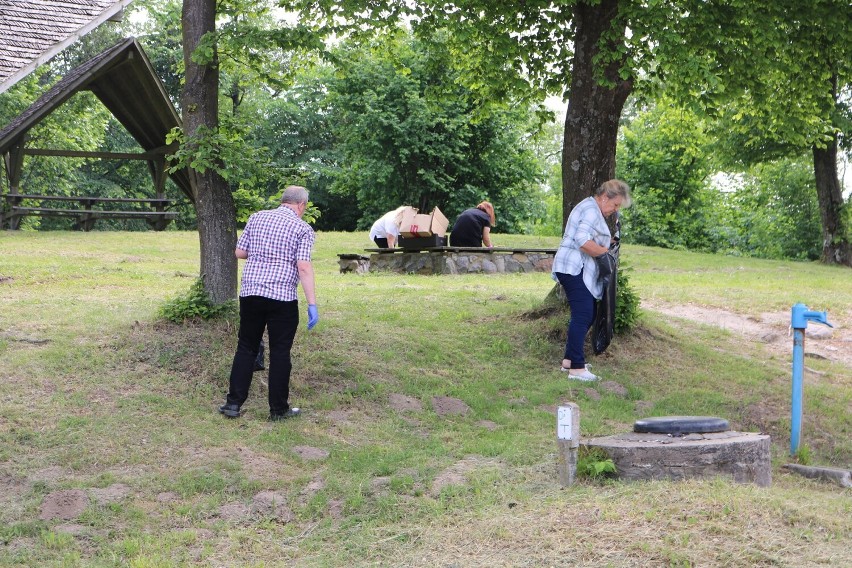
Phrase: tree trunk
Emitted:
{"points": [[835, 234], [214, 204], [594, 110]]}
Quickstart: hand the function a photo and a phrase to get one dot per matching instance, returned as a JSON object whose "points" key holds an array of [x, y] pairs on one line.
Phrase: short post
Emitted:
{"points": [[568, 441]]}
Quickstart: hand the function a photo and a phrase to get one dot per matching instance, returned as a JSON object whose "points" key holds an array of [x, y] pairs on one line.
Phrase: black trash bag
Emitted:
{"points": [[259, 362], [603, 327]]}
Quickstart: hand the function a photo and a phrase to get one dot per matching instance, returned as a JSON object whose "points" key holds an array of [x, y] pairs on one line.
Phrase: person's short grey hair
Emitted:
{"points": [[616, 188], [294, 194]]}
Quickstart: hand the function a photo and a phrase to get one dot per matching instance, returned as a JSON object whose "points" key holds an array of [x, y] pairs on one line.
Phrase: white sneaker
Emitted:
{"points": [[584, 376]]}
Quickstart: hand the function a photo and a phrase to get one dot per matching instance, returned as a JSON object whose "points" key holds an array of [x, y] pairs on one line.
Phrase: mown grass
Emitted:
{"points": [[97, 393]]}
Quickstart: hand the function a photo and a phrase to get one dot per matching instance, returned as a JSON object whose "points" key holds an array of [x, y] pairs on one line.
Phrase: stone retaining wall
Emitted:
{"points": [[459, 262]]}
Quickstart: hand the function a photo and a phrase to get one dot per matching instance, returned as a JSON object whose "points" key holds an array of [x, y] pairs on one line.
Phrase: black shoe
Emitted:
{"points": [[278, 417], [230, 410]]}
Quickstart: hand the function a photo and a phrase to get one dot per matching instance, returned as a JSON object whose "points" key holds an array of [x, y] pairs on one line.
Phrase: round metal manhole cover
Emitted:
{"points": [[680, 425]]}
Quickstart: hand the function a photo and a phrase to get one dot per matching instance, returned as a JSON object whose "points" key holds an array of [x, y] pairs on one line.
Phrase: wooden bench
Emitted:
{"points": [[158, 218]]}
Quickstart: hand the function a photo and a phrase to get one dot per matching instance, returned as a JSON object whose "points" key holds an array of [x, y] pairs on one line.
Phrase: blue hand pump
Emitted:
{"points": [[799, 321]]}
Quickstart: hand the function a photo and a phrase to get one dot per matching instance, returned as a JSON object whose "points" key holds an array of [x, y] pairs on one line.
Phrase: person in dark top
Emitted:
{"points": [[473, 227]]}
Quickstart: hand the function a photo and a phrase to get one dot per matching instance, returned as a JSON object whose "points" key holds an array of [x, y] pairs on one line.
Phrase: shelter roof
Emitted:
{"points": [[33, 31], [123, 79]]}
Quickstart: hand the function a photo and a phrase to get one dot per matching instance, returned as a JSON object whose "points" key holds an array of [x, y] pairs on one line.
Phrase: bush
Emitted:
{"points": [[595, 464], [626, 302], [194, 303]]}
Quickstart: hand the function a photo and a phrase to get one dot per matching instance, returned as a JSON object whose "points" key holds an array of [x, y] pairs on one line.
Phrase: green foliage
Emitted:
{"points": [[803, 455], [664, 157], [195, 303], [626, 302], [159, 32], [594, 464], [773, 212], [408, 133]]}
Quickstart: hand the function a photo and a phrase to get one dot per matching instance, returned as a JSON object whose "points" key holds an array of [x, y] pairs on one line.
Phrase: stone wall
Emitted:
{"points": [[462, 262]]}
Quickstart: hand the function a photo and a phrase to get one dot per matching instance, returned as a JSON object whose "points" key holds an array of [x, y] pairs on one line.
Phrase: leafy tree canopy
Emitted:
{"points": [[407, 134]]}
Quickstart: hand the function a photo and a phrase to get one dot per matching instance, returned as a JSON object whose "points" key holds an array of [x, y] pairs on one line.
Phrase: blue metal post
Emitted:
{"points": [[799, 320], [798, 368]]}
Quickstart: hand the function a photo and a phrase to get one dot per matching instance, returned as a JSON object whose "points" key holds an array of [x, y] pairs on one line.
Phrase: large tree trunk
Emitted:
{"points": [[214, 204], [591, 122], [835, 234]]}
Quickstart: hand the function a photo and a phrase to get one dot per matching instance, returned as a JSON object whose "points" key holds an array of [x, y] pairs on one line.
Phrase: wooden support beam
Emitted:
{"points": [[153, 154]]}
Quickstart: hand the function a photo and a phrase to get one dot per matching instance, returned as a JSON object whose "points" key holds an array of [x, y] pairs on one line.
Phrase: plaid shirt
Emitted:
{"points": [[275, 240], [585, 223]]}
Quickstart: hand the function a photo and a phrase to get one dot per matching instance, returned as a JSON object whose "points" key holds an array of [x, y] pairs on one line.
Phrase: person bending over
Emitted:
{"points": [[473, 227], [586, 236]]}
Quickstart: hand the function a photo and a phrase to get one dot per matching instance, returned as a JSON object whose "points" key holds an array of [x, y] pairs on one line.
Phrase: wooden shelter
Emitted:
{"points": [[33, 31], [123, 79]]}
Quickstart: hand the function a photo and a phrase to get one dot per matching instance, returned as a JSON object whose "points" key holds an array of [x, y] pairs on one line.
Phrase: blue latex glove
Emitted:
{"points": [[313, 315]]}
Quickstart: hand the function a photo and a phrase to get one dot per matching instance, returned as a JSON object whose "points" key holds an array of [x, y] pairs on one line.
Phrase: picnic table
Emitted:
{"points": [[86, 213]]}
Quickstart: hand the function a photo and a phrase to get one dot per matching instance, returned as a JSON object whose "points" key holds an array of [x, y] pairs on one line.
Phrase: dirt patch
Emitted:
{"points": [[614, 388], [50, 474], [234, 511], [112, 494], [183, 349], [447, 405], [403, 403], [457, 473], [167, 497], [71, 528], [66, 505], [771, 329], [257, 466], [591, 393], [272, 504], [339, 417], [311, 453], [313, 487], [380, 485], [335, 509], [487, 424]]}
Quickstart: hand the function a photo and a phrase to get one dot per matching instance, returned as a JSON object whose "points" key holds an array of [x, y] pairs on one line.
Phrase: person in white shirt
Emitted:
{"points": [[586, 236], [385, 231]]}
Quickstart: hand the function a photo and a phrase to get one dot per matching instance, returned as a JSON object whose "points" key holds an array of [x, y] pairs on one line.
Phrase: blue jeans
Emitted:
{"points": [[280, 320], [582, 305]]}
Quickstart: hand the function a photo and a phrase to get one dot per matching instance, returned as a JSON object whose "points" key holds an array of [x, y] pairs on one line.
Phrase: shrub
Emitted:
{"points": [[626, 302], [194, 303], [595, 464]]}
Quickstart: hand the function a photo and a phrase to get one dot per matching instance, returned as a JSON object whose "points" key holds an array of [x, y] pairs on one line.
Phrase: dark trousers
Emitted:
{"points": [[280, 320], [582, 305], [381, 242]]}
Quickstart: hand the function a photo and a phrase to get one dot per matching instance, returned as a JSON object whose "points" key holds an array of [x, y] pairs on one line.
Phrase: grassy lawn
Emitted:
{"points": [[108, 410]]}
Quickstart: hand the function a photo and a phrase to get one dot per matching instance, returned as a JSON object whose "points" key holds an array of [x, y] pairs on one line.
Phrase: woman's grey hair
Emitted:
{"points": [[616, 188], [294, 194]]}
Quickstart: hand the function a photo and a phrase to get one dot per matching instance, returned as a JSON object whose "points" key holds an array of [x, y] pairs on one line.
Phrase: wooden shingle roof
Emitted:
{"points": [[33, 31], [123, 79]]}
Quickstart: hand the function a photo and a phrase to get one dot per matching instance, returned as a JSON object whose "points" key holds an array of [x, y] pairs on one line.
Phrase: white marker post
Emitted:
{"points": [[568, 441]]}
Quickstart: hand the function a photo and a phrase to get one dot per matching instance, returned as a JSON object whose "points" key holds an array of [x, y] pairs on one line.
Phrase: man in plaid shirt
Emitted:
{"points": [[277, 246]]}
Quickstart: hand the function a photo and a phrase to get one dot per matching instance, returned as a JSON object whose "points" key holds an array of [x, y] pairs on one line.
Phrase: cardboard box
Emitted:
{"points": [[420, 225]]}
